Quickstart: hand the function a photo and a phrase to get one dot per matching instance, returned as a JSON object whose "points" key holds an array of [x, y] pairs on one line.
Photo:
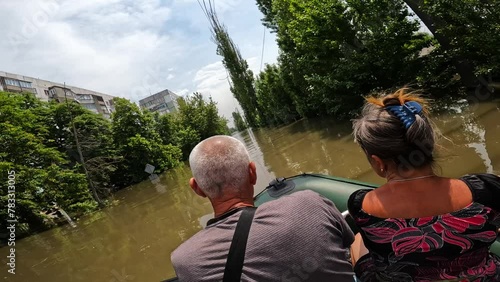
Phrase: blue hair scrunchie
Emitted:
{"points": [[406, 113]]}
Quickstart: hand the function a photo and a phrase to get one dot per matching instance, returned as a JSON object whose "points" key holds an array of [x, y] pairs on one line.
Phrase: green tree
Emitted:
{"points": [[239, 123], [467, 31], [43, 174], [333, 52], [86, 138], [198, 119], [202, 116], [274, 98], [266, 7], [138, 142], [128, 120], [99, 155], [166, 126], [65, 154], [241, 76]]}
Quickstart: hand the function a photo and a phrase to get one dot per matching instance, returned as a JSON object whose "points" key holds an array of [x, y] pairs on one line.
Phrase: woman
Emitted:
{"points": [[419, 226]]}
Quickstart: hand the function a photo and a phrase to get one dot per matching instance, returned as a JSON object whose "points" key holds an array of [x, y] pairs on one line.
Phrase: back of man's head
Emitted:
{"points": [[220, 164]]}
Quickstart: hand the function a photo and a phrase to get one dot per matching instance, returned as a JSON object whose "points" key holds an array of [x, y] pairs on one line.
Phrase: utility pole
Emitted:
{"points": [[80, 154]]}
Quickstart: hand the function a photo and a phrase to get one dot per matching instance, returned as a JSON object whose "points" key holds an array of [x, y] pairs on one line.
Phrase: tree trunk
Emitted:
{"points": [[80, 154], [463, 66], [91, 184]]}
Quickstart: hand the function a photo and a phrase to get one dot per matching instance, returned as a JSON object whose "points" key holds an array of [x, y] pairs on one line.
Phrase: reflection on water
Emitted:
{"points": [[132, 240]]}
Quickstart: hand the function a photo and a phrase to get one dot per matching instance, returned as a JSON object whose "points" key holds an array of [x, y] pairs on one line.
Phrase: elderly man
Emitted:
{"points": [[299, 237]]}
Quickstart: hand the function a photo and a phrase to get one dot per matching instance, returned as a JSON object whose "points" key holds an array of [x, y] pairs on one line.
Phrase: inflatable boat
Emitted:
{"points": [[336, 189]]}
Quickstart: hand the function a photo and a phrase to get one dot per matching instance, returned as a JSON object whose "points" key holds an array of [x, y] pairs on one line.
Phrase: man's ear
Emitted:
{"points": [[196, 188], [252, 173]]}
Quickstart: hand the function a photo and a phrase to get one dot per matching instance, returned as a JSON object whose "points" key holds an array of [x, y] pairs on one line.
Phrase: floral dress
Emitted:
{"points": [[450, 247]]}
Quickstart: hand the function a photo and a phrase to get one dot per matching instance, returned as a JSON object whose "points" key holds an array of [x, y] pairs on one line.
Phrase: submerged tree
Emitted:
{"points": [[275, 98], [43, 173], [66, 154], [241, 76], [239, 123], [465, 30], [136, 139], [333, 52], [196, 120], [81, 158]]}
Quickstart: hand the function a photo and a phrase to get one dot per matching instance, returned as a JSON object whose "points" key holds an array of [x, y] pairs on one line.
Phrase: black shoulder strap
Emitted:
{"points": [[236, 256]]}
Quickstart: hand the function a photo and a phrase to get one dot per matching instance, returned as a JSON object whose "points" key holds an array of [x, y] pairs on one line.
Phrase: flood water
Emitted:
{"points": [[132, 240]]}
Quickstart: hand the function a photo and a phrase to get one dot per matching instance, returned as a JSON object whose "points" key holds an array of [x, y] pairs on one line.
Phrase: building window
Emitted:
{"points": [[84, 97], [12, 82], [90, 106], [25, 84], [171, 105]]}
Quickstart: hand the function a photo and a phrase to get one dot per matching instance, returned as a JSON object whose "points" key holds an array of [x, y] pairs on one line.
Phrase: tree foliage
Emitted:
{"points": [[138, 142], [202, 116], [38, 142], [469, 33], [241, 76], [333, 52], [345, 49], [275, 99], [195, 120], [239, 122], [43, 174]]}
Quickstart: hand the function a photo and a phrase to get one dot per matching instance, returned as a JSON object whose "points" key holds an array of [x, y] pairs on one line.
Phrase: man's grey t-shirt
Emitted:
{"points": [[299, 237]]}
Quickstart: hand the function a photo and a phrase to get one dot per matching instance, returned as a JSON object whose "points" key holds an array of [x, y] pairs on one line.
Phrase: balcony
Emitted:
{"points": [[12, 88]]}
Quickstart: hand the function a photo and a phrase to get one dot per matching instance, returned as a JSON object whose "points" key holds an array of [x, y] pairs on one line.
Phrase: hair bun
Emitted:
{"points": [[391, 101]]}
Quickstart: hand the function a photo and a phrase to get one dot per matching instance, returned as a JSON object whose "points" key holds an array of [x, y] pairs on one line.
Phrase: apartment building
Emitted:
{"points": [[162, 102], [47, 90], [95, 103]]}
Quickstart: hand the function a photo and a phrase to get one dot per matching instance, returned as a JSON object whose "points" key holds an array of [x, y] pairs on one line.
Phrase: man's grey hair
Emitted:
{"points": [[220, 164]]}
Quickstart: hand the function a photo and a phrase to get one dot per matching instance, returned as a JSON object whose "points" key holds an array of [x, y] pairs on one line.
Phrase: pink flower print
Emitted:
{"points": [[473, 217], [457, 240], [412, 239], [383, 231], [423, 221], [438, 227], [380, 235], [362, 220], [485, 236], [484, 269]]}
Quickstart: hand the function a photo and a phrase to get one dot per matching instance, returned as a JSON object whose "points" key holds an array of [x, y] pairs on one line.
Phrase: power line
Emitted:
{"points": [[263, 45]]}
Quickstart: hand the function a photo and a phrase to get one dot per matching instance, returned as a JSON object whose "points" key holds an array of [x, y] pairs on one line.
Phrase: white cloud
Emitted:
{"points": [[182, 92], [221, 6], [212, 80], [119, 17], [210, 76]]}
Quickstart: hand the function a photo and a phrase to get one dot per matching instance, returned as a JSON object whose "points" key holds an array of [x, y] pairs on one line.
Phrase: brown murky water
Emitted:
{"points": [[132, 240]]}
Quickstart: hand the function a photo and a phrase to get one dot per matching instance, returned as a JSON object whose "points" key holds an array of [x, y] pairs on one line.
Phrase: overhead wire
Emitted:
{"points": [[263, 47]]}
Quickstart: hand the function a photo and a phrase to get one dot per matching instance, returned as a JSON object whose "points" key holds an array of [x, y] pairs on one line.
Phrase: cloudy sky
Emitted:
{"points": [[129, 48]]}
